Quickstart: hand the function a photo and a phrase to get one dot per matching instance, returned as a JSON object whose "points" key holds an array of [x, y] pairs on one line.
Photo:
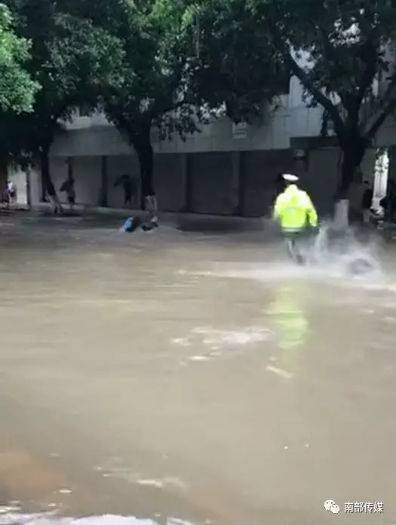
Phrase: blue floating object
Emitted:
{"points": [[130, 224]]}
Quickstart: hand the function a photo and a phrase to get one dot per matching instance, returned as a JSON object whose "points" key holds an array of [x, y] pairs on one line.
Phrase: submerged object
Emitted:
{"points": [[150, 225], [359, 266], [131, 224]]}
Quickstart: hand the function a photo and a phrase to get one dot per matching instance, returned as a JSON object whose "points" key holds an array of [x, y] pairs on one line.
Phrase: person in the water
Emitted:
{"points": [[296, 214]]}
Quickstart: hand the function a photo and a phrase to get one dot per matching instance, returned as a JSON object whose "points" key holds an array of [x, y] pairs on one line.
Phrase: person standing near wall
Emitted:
{"points": [[129, 188], [68, 188], [11, 194]]}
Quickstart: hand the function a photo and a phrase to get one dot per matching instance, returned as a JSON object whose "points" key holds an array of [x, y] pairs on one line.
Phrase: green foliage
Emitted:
{"points": [[153, 67], [72, 61], [170, 63], [153, 90], [17, 89], [338, 51], [232, 59], [336, 48], [82, 60]]}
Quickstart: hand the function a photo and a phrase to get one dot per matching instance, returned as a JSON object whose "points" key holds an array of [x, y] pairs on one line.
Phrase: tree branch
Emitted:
{"points": [[329, 50], [367, 78], [325, 102], [372, 131], [387, 105], [160, 108], [316, 93]]}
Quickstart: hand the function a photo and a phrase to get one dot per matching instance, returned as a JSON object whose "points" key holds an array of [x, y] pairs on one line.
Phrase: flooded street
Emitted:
{"points": [[190, 377]]}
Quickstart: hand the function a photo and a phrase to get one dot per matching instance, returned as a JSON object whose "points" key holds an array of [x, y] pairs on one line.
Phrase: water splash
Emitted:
{"points": [[107, 519], [344, 254]]}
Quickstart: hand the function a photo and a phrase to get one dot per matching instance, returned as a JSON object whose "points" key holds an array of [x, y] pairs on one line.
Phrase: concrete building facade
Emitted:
{"points": [[226, 169]]}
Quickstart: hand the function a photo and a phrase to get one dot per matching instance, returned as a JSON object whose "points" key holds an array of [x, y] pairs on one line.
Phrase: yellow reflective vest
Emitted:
{"points": [[294, 210]]}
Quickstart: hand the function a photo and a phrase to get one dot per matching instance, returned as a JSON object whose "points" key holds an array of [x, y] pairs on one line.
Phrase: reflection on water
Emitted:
{"points": [[289, 316], [290, 319]]}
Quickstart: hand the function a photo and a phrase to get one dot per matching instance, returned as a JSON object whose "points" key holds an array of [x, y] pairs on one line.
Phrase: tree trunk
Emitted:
{"points": [[103, 200], [29, 186], [145, 153], [3, 176], [48, 186], [350, 162], [353, 153], [146, 161]]}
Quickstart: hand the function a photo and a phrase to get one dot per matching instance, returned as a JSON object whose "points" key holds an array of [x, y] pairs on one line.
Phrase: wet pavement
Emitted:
{"points": [[191, 376]]}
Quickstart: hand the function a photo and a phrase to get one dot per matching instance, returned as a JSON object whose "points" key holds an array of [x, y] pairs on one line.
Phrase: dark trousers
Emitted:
{"points": [[298, 243]]}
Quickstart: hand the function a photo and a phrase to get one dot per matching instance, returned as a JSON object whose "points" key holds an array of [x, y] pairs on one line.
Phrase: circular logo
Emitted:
{"points": [[331, 506]]}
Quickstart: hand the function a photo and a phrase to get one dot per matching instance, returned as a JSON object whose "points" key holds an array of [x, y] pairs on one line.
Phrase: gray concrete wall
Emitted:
{"points": [[18, 177], [259, 170], [34, 186], [95, 136], [215, 171], [170, 181], [214, 189], [90, 141], [221, 182], [197, 182], [86, 173], [224, 183], [289, 118], [321, 177]]}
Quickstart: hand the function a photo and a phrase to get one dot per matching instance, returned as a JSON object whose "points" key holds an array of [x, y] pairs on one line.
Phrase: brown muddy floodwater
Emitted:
{"points": [[190, 377]]}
